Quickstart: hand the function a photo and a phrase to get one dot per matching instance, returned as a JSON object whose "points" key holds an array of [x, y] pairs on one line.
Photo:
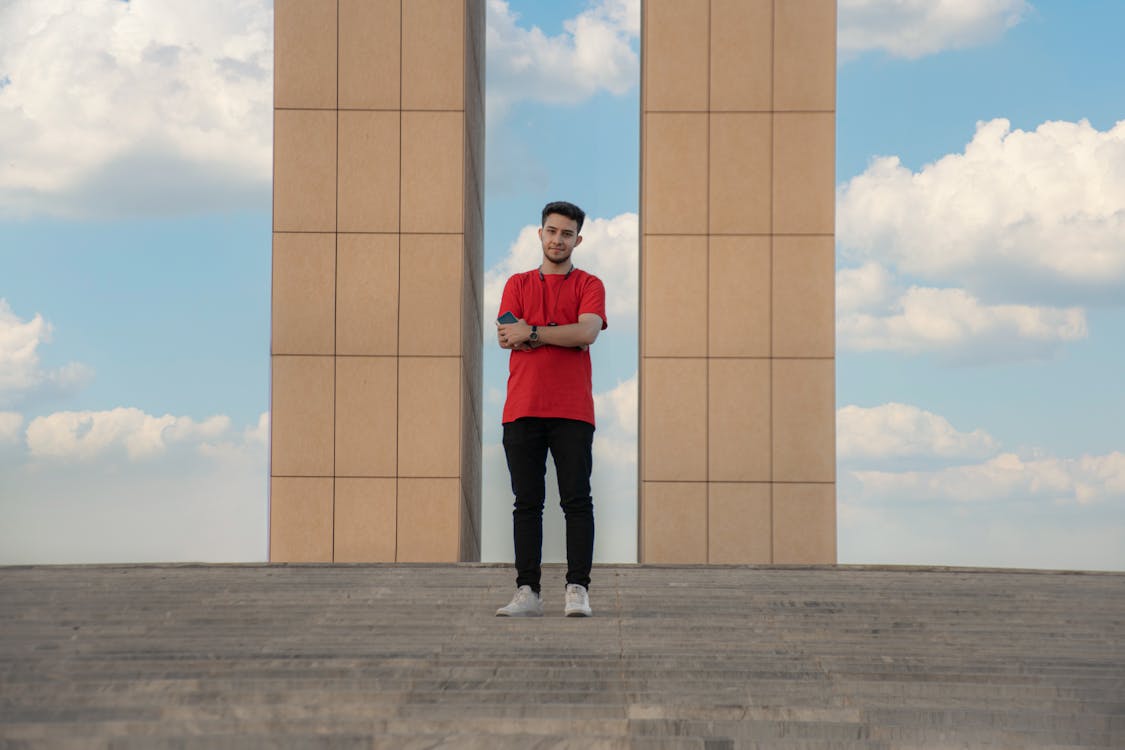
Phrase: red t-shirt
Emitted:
{"points": [[551, 381]]}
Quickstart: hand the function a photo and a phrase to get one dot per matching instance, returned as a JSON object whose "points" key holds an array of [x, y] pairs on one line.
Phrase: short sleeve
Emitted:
{"points": [[593, 299], [510, 300]]}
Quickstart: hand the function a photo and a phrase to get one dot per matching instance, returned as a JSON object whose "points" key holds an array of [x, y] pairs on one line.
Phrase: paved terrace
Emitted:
{"points": [[411, 656]]}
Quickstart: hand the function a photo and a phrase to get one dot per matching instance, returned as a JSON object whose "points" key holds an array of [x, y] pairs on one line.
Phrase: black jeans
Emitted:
{"points": [[526, 442]]}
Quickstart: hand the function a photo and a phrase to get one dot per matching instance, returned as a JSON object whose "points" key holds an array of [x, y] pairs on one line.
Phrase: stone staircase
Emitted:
{"points": [[707, 658]]}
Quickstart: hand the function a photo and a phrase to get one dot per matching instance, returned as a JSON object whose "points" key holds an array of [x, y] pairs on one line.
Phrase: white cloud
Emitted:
{"points": [[914, 490], [949, 322], [901, 431], [85, 435], [615, 441], [192, 491], [1020, 216], [1051, 537], [609, 250], [225, 447], [21, 374], [10, 427], [960, 500], [1008, 477], [983, 471], [141, 106], [867, 288], [594, 54], [915, 28]]}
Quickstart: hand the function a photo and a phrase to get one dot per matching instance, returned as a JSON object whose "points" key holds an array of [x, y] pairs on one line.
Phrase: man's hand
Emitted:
{"points": [[514, 335], [572, 336]]}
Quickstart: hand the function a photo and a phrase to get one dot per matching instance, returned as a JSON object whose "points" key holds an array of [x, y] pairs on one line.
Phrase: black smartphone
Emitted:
{"points": [[507, 317]]}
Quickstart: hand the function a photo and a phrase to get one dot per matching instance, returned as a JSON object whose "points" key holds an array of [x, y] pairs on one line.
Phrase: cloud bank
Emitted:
{"points": [[949, 322], [124, 486], [1006, 478], [140, 107], [916, 28], [901, 430], [86, 435], [1020, 216], [951, 465], [22, 376], [989, 255], [594, 54], [911, 485]]}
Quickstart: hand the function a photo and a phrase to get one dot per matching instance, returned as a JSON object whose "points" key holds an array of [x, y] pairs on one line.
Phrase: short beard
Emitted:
{"points": [[547, 257]]}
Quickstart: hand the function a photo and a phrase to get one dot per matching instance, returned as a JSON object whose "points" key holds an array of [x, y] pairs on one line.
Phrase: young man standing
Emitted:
{"points": [[557, 312]]}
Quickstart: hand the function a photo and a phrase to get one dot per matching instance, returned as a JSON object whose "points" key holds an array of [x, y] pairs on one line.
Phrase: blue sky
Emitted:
{"points": [[980, 286]]}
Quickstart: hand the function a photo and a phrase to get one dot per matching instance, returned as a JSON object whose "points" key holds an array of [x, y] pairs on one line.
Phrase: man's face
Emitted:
{"points": [[559, 236]]}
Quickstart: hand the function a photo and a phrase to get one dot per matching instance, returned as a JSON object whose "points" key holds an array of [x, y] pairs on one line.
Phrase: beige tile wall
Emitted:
{"points": [[737, 439], [377, 280]]}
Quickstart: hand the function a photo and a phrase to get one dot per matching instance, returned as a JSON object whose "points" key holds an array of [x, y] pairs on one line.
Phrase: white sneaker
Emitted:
{"points": [[577, 601], [526, 603]]}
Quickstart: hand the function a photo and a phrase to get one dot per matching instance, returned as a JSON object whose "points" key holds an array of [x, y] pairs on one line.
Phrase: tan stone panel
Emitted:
{"points": [[674, 408], [804, 66], [369, 54], [365, 520], [738, 424], [301, 416], [675, 296], [738, 297], [804, 420], [741, 55], [804, 172], [304, 54], [367, 294], [304, 170], [304, 294], [804, 523], [301, 519], [366, 416], [675, 174], [676, 54], [740, 173], [429, 520], [739, 522], [674, 522], [433, 174], [433, 54], [430, 303], [369, 172], [429, 416], [804, 296]]}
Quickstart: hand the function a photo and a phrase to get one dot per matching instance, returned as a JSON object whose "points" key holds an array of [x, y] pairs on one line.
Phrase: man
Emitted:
{"points": [[557, 312]]}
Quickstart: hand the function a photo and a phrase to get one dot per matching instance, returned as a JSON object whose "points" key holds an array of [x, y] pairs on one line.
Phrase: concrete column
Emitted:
{"points": [[377, 278], [737, 385]]}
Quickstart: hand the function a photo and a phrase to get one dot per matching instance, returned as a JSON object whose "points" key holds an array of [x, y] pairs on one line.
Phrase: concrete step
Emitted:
{"points": [[678, 657]]}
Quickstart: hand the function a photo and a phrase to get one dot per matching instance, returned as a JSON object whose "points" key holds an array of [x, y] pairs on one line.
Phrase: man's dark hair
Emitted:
{"points": [[569, 210]]}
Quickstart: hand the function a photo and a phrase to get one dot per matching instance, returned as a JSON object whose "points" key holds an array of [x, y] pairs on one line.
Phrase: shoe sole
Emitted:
{"points": [[519, 614], [579, 613]]}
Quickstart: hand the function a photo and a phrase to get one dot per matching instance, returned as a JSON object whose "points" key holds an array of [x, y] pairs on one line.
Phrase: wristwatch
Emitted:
{"points": [[534, 337]]}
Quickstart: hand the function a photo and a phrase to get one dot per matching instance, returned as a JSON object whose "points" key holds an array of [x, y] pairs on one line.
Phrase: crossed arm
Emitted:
{"points": [[581, 334]]}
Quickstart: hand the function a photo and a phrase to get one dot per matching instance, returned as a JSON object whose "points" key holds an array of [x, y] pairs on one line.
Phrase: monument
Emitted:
{"points": [[377, 281]]}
